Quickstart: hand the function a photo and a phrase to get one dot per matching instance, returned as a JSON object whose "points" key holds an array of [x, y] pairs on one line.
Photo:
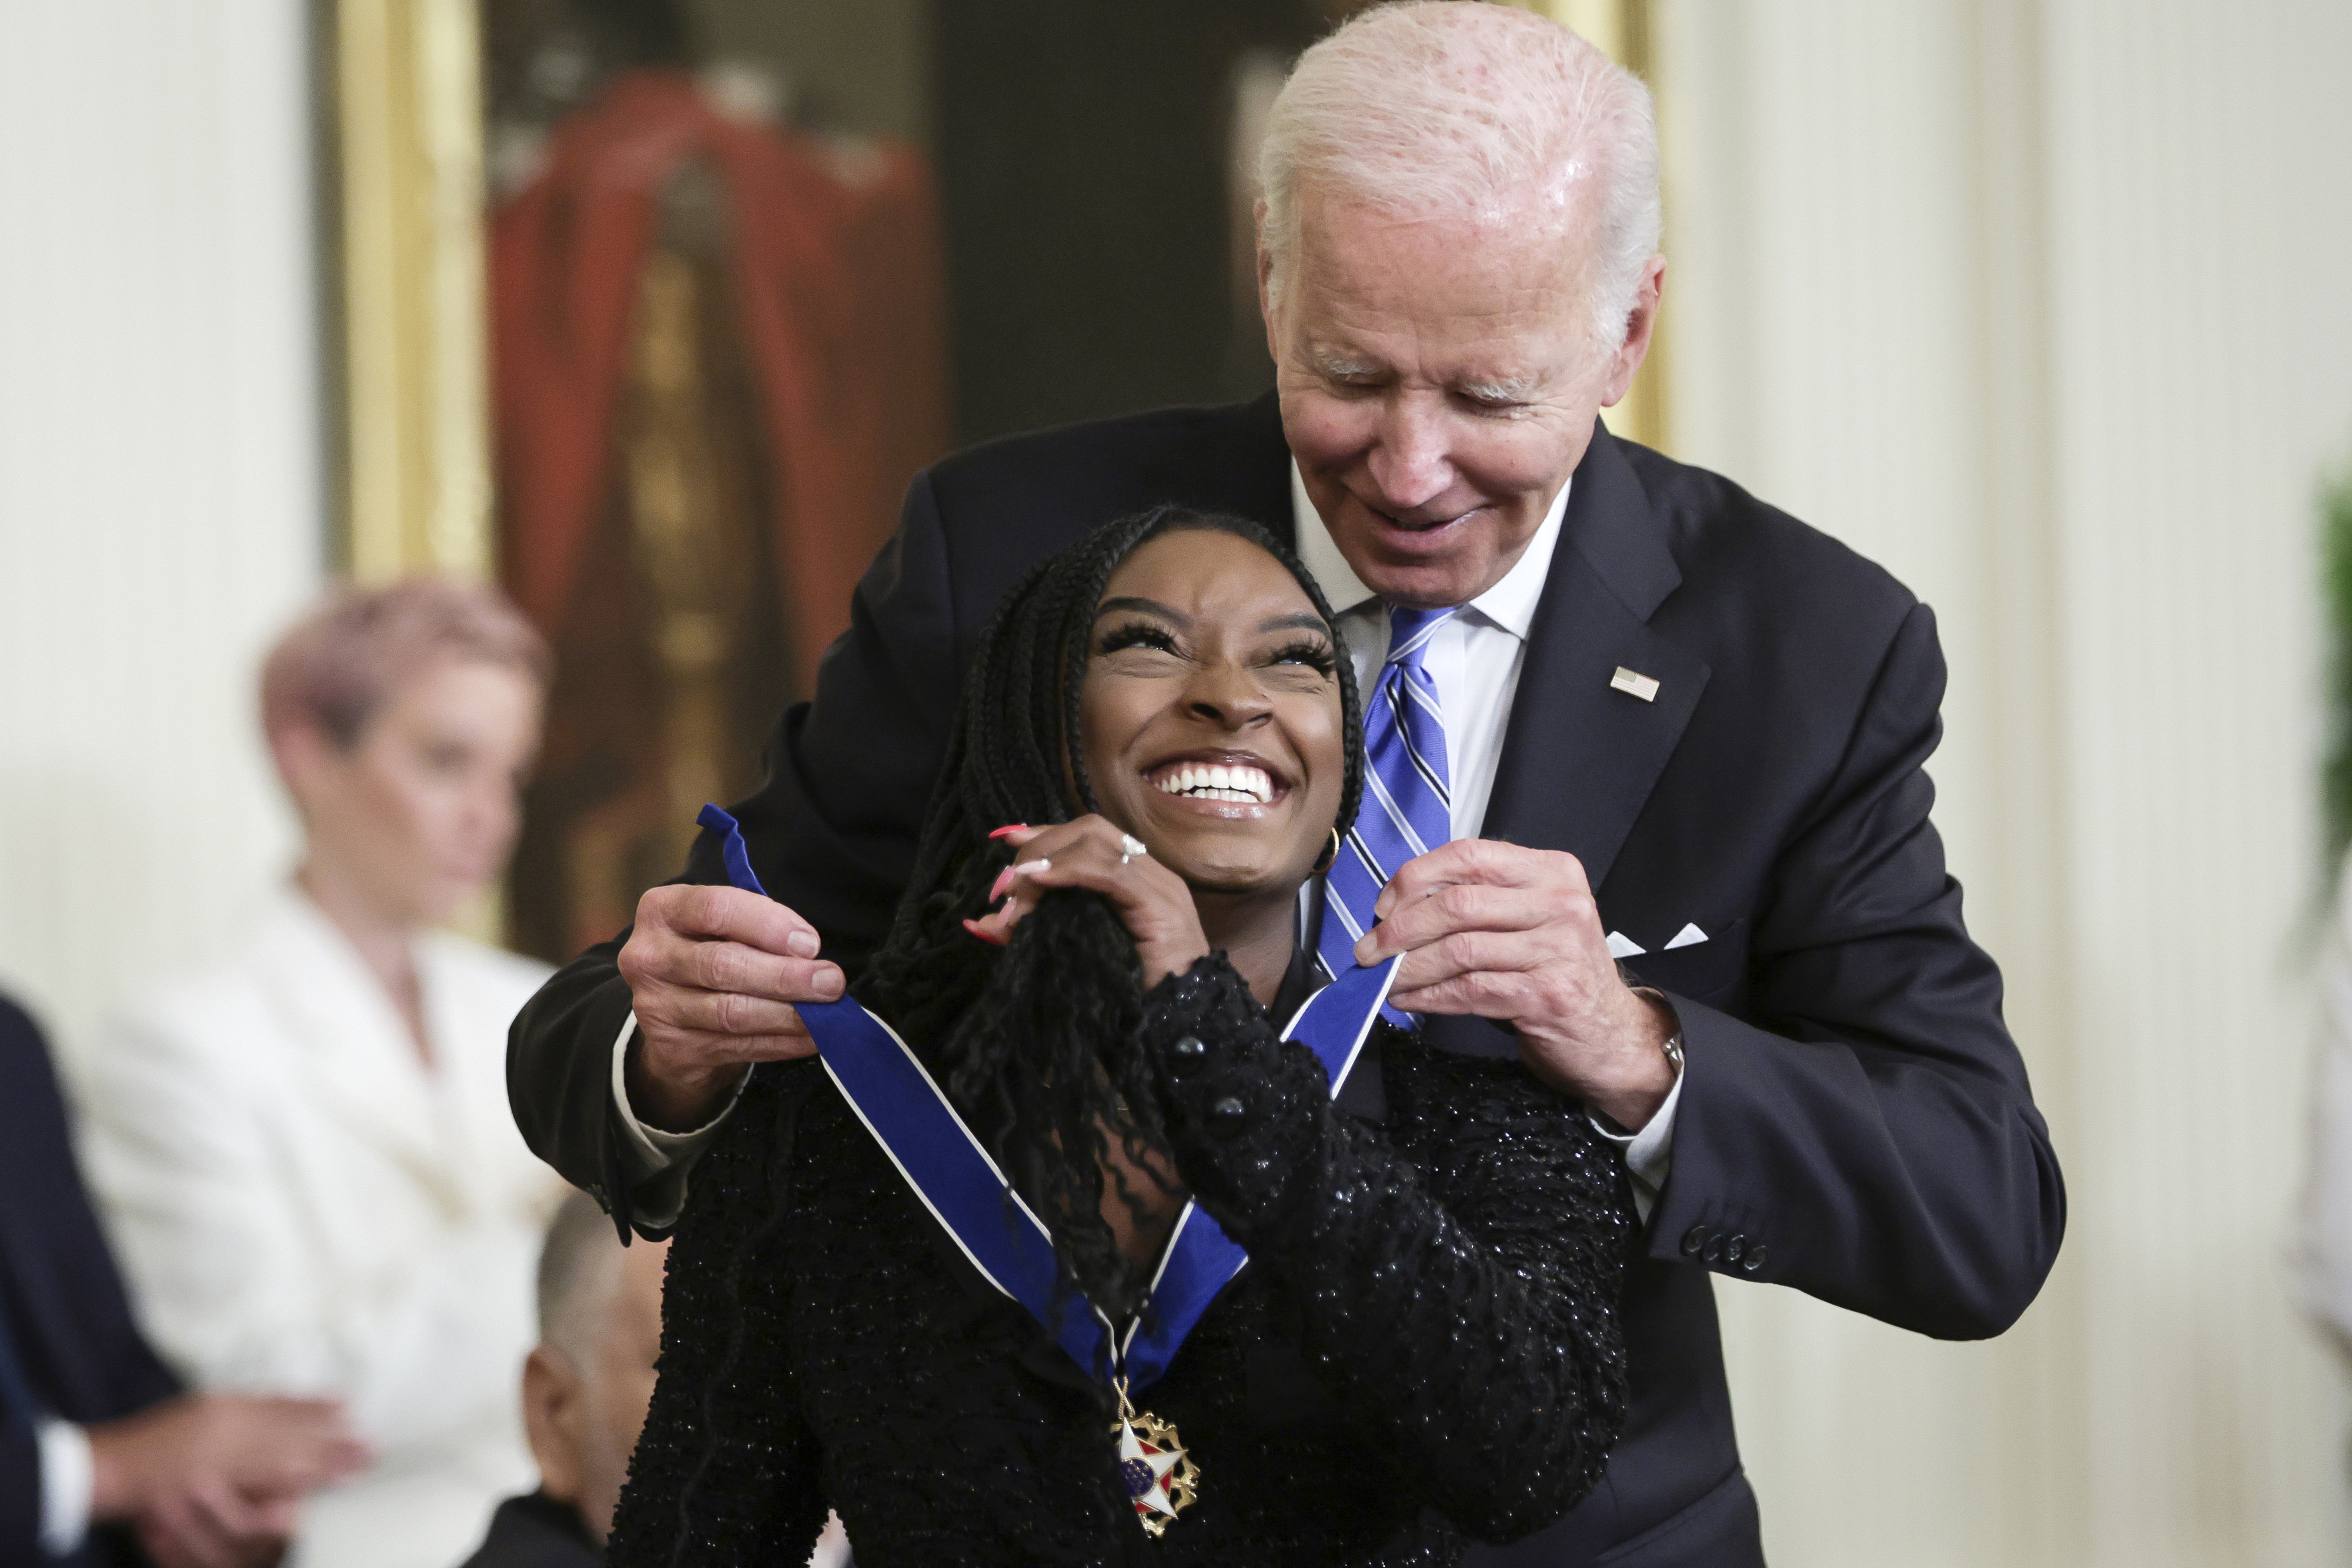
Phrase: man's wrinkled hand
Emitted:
{"points": [[714, 974], [1497, 931], [215, 1480]]}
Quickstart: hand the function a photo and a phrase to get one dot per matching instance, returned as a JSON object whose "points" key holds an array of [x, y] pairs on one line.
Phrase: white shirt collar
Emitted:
{"points": [[1510, 604]]}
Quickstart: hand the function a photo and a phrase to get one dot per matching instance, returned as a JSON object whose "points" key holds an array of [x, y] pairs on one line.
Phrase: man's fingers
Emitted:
{"points": [[1486, 860], [1462, 997], [730, 915], [195, 1524], [227, 1510], [739, 969], [1471, 953], [700, 1051], [275, 1515], [1468, 906], [303, 1444], [304, 1420], [313, 1462], [176, 1537], [672, 1014], [1504, 996]]}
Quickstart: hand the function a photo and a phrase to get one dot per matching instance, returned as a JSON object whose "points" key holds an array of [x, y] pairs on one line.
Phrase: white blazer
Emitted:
{"points": [[304, 1208]]}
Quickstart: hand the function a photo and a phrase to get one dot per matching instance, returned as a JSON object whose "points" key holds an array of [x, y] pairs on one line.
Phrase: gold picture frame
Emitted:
{"points": [[413, 491], [413, 486]]}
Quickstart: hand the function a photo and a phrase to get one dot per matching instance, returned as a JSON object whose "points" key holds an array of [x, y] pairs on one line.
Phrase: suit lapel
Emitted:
{"points": [[1580, 757], [362, 1067]]}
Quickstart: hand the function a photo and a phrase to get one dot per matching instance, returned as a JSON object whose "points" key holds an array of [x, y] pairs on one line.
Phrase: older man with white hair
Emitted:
{"points": [[1647, 808]]}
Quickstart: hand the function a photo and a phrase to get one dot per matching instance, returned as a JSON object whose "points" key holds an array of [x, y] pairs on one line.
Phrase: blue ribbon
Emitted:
{"points": [[965, 1190]]}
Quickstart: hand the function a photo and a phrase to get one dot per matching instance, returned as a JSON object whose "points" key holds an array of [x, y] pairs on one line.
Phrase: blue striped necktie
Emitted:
{"points": [[1408, 805]]}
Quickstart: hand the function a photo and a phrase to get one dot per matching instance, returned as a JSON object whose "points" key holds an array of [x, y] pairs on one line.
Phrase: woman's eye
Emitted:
{"points": [[1313, 656], [1139, 635]]}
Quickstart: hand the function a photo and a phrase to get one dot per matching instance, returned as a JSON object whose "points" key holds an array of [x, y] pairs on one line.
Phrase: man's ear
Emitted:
{"points": [[1640, 327], [552, 1414]]}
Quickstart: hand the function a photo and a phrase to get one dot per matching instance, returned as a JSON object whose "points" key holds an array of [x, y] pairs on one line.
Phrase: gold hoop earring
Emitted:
{"points": [[1328, 862]]}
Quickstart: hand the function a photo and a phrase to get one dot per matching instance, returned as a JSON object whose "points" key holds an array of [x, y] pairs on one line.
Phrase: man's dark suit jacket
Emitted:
{"points": [[1855, 1119], [65, 1320], [536, 1531]]}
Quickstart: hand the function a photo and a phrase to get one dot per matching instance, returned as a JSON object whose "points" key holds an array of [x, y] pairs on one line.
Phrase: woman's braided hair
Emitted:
{"points": [[1040, 1040]]}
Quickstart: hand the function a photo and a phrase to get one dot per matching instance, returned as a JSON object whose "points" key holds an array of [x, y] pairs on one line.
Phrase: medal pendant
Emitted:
{"points": [[1161, 1476]]}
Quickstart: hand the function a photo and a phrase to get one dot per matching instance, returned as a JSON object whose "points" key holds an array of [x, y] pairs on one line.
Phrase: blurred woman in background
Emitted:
{"points": [[306, 1152]]}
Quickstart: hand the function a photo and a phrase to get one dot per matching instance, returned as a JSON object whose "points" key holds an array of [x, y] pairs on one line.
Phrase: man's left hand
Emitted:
{"points": [[1496, 931]]}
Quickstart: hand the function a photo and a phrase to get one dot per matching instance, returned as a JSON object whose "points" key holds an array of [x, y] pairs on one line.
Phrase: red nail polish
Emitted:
{"points": [[991, 937], [1010, 829], [1004, 880]]}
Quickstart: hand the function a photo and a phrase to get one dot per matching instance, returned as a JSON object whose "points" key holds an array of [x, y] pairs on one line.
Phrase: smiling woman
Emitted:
{"points": [[1212, 710], [1157, 740]]}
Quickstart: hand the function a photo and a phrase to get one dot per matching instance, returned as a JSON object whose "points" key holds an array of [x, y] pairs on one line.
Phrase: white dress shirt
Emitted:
{"points": [[62, 1452], [1474, 658]]}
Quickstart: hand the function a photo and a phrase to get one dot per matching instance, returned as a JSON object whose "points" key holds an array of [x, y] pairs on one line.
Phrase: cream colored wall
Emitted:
{"points": [[159, 475], [2047, 306]]}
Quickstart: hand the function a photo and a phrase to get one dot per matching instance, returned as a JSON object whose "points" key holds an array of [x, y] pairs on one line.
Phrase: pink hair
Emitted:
{"points": [[337, 665]]}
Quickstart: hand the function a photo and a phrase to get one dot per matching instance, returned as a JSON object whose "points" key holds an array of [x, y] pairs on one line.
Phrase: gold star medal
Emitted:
{"points": [[1161, 1476]]}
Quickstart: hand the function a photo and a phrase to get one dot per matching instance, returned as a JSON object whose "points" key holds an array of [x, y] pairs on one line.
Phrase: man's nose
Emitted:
{"points": [[1411, 459]]}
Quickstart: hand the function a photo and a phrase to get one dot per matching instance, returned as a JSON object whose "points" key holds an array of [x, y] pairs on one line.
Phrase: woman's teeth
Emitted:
{"points": [[1203, 782]]}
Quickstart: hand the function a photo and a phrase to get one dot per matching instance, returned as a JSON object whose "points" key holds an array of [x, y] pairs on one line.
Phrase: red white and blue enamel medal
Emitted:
{"points": [[1160, 1477]]}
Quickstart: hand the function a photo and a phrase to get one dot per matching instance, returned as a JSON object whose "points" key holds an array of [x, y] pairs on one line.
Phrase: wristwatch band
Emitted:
{"points": [[1674, 1044]]}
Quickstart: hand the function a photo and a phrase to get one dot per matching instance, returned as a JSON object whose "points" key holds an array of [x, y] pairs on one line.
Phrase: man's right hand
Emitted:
{"points": [[213, 1480], [713, 973]]}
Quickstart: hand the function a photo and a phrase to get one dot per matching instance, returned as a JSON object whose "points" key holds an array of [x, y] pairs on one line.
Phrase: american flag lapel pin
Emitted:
{"points": [[1633, 683]]}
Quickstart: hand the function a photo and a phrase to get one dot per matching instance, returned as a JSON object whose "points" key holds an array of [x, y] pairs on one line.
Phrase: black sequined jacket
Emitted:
{"points": [[1423, 1343]]}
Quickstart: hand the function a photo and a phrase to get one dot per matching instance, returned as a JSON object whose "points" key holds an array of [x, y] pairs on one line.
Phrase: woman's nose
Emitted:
{"points": [[491, 809], [1229, 695]]}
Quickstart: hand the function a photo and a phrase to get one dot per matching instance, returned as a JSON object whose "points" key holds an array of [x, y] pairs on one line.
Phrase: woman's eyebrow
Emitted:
{"points": [[1147, 606], [1301, 620]]}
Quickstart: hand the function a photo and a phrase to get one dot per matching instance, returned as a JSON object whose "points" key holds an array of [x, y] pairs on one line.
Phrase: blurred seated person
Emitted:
{"points": [[306, 1153], [100, 1451], [584, 1390]]}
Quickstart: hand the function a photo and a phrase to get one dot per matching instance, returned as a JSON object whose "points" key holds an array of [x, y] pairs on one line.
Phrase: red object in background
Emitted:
{"points": [[836, 262]]}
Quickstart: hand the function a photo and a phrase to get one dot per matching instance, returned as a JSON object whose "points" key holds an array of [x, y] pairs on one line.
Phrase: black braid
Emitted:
{"points": [[1041, 1038]]}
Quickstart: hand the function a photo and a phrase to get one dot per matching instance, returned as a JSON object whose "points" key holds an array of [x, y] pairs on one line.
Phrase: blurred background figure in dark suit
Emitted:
{"points": [[304, 1151], [101, 1454]]}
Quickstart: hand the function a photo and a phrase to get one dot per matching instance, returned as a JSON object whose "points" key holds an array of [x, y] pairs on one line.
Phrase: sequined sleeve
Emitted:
{"points": [[726, 1471], [1456, 1271]]}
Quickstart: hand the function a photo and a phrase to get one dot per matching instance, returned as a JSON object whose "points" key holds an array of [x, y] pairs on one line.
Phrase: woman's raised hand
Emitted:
{"points": [[1091, 852]]}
